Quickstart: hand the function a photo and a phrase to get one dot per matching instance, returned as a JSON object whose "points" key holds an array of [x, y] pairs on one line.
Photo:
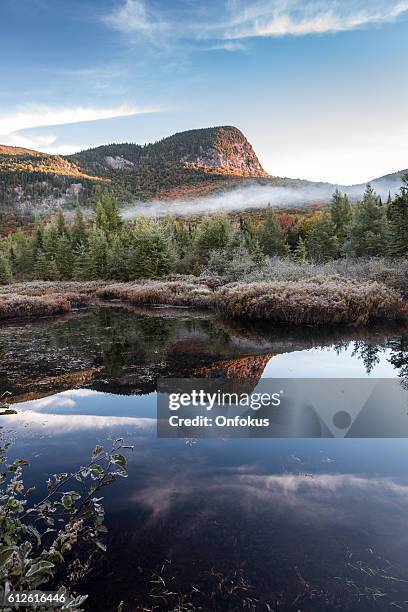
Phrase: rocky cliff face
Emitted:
{"points": [[222, 149], [218, 150]]}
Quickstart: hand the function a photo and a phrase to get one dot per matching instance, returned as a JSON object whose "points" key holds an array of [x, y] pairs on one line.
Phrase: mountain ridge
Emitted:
{"points": [[188, 164]]}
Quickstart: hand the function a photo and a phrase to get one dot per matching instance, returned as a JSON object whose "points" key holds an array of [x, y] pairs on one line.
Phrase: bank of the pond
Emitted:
{"points": [[313, 301]]}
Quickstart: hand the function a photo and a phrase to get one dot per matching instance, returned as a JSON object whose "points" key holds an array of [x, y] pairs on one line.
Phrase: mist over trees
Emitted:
{"points": [[106, 247]]}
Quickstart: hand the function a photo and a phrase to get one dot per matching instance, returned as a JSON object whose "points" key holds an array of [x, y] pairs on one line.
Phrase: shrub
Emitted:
{"points": [[37, 539]]}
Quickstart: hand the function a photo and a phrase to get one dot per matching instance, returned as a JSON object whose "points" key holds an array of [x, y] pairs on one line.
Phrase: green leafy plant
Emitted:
{"points": [[37, 539]]}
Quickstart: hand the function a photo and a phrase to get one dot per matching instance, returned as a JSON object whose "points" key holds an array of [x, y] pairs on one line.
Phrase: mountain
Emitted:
{"points": [[187, 165], [187, 159], [196, 160], [387, 183], [33, 179]]}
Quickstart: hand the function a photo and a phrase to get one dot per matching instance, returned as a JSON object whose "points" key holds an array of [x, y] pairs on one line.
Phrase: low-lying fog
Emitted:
{"points": [[255, 196]]}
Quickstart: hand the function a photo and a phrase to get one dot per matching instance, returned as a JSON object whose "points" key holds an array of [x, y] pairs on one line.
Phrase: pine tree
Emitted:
{"points": [[249, 239], [117, 259], [368, 230], [106, 216], [64, 257], [51, 240], [5, 270], [62, 227], [82, 269], [79, 235], [183, 239], [341, 215], [299, 254], [212, 233], [38, 243], [24, 257], [150, 254], [397, 214], [321, 242], [45, 269], [98, 252], [271, 238]]}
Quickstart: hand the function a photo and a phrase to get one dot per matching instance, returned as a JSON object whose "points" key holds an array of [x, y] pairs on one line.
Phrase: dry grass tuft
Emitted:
{"points": [[14, 306], [172, 293], [313, 302], [318, 300], [52, 287]]}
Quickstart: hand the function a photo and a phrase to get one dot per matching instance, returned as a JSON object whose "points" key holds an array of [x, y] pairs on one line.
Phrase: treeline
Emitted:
{"points": [[106, 247]]}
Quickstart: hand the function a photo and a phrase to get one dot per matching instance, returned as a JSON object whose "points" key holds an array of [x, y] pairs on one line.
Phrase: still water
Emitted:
{"points": [[216, 524]]}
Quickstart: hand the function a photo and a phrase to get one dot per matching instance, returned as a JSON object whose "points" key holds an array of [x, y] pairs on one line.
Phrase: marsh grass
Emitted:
{"points": [[313, 301], [392, 272], [15, 306], [172, 293], [342, 292]]}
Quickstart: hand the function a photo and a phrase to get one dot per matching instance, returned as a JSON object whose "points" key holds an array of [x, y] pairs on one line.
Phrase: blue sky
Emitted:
{"points": [[318, 86]]}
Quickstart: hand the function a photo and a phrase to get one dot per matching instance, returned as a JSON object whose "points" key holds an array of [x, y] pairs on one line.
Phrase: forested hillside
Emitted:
{"points": [[29, 179], [186, 158], [33, 179]]}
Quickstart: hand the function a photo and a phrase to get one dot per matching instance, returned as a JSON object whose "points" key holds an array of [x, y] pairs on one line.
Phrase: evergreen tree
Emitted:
{"points": [[5, 270], [82, 269], [117, 259], [45, 269], [24, 258], [100, 218], [64, 257], [150, 253], [212, 233], [397, 214], [38, 242], [98, 253], [321, 241], [79, 235], [106, 215], [249, 239], [51, 240], [62, 227], [341, 215], [368, 230], [183, 239], [271, 237], [300, 252]]}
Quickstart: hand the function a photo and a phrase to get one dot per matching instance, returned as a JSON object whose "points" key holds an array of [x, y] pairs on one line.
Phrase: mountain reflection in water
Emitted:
{"points": [[216, 524]]}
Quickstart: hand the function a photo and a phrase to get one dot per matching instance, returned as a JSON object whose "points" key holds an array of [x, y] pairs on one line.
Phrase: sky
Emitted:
{"points": [[317, 86]]}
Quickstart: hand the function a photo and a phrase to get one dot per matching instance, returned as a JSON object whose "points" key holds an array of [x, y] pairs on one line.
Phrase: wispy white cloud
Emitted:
{"points": [[13, 123], [230, 20], [294, 18], [136, 16], [41, 116]]}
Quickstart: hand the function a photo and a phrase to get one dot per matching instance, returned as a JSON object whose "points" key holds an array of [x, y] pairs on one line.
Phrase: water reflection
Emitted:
{"points": [[123, 351], [227, 524]]}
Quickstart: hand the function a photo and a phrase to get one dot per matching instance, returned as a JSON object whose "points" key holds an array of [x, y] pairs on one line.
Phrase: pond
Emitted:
{"points": [[216, 524]]}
